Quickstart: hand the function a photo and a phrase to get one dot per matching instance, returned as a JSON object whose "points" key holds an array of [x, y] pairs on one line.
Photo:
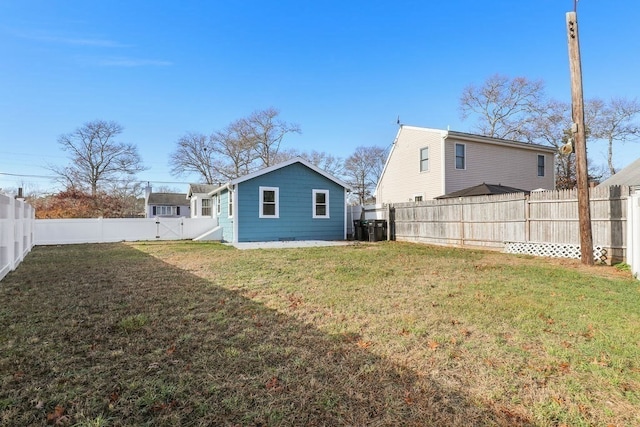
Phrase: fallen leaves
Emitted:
{"points": [[294, 301], [58, 417], [364, 344], [171, 350], [273, 384]]}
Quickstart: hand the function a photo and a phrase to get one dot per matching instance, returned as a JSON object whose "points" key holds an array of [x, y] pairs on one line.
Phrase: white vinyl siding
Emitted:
{"points": [[400, 183], [491, 162], [496, 164]]}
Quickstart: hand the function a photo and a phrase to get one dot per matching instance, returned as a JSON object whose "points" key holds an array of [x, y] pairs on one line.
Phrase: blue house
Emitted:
{"points": [[293, 200]]}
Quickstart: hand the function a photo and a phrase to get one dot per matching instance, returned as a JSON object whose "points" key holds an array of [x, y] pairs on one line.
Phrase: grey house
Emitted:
{"points": [[628, 176], [171, 205]]}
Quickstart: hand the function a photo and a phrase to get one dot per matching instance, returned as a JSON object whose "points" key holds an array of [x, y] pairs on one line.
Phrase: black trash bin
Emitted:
{"points": [[380, 230], [357, 230], [377, 230]]}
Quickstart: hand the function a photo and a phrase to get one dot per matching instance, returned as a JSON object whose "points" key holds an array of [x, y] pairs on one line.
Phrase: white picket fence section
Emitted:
{"points": [[16, 232], [105, 230]]}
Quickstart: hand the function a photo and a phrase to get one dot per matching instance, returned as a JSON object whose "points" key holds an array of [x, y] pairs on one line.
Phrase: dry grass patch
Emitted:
{"points": [[371, 334]]}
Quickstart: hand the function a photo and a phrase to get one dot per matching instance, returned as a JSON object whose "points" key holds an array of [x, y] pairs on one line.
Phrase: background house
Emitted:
{"points": [[165, 204], [294, 200], [426, 163], [201, 203], [628, 176]]}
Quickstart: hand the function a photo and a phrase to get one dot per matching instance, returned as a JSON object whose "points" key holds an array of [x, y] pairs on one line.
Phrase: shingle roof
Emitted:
{"points": [[201, 188], [627, 176], [483, 190], [169, 199]]}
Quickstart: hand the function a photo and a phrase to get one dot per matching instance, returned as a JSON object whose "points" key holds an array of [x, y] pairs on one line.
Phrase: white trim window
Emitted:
{"points": [[230, 204], [269, 202], [424, 159], [320, 203], [461, 156], [216, 199], [206, 207]]}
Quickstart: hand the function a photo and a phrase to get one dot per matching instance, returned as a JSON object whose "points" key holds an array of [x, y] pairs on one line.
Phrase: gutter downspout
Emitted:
{"points": [[443, 161], [233, 191]]}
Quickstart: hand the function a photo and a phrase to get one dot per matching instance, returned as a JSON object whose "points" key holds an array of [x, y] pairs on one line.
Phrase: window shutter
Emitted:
{"points": [[178, 211], [154, 211]]}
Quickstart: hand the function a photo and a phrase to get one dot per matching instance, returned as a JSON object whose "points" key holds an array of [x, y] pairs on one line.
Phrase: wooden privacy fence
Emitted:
{"points": [[16, 232], [544, 217]]}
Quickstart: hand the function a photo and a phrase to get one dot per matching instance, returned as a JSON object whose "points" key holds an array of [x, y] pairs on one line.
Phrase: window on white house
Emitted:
{"points": [[320, 203], [269, 202], [206, 207], [417, 198], [540, 165], [230, 204], [166, 210], [460, 156], [424, 159]]}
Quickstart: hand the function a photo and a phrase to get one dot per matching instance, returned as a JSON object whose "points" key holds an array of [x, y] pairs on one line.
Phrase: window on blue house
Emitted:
{"points": [[269, 202], [320, 203], [230, 205]]}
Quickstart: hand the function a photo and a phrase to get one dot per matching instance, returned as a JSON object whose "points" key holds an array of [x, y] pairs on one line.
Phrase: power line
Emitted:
{"points": [[18, 175]]}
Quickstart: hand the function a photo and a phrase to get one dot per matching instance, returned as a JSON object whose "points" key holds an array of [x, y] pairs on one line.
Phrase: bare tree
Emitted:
{"points": [[194, 154], [327, 162], [235, 149], [617, 122], [266, 132], [245, 145], [552, 126], [96, 156], [362, 170], [504, 107]]}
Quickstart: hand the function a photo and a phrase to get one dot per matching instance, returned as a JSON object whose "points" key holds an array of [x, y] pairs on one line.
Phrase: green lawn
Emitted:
{"points": [[384, 334]]}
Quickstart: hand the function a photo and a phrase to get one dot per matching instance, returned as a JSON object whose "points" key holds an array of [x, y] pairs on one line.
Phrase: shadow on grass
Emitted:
{"points": [[107, 335]]}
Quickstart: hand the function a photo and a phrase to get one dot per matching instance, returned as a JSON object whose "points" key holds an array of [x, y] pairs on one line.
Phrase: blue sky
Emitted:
{"points": [[342, 70]]}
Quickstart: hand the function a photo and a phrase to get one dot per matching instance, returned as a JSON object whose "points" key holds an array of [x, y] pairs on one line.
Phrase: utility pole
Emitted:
{"points": [[580, 140]]}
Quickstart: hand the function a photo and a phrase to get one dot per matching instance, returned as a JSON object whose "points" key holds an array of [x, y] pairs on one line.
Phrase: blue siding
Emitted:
{"points": [[295, 222], [223, 219]]}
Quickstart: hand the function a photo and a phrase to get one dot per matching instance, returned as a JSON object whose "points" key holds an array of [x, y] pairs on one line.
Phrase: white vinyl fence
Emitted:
{"points": [[104, 230], [16, 232], [633, 233]]}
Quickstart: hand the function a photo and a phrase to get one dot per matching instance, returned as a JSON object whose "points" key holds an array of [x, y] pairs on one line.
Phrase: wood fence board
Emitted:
{"points": [[542, 217]]}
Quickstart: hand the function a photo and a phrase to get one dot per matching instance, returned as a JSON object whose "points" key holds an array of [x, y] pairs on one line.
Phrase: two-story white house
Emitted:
{"points": [[427, 163]]}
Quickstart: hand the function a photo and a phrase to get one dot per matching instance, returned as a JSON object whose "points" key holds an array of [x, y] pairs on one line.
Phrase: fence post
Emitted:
{"points": [[633, 233], [461, 224], [527, 219]]}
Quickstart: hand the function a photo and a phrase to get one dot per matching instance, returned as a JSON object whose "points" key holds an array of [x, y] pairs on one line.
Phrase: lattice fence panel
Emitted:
{"points": [[553, 250]]}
